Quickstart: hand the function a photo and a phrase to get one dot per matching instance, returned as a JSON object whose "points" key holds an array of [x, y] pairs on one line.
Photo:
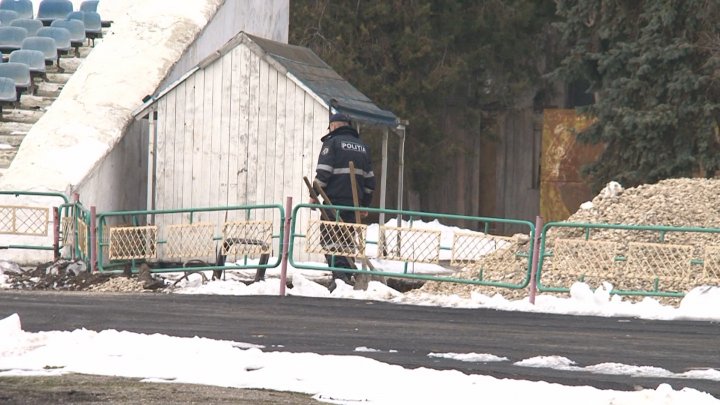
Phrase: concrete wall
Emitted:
{"points": [[119, 182], [263, 18]]}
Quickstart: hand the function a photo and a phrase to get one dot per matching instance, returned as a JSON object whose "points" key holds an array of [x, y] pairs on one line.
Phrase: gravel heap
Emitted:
{"points": [[673, 202], [119, 284]]}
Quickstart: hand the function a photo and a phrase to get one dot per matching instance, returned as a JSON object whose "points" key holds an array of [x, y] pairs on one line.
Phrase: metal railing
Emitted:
{"points": [[636, 259], [30, 222], [212, 238], [411, 248], [75, 232]]}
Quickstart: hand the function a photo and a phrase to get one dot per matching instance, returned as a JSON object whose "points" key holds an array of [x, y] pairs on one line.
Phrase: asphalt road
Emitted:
{"points": [[338, 326]]}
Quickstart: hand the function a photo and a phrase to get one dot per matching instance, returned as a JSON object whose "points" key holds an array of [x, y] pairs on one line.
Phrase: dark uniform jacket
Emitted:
{"points": [[333, 169]]}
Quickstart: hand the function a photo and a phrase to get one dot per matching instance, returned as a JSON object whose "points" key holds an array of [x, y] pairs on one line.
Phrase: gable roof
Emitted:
{"points": [[307, 70], [336, 92]]}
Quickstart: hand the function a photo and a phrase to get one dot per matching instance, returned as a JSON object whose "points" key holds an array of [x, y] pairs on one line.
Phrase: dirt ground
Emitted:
{"points": [[91, 389]]}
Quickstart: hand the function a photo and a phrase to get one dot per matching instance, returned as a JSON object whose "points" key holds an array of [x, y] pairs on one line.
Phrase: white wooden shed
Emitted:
{"points": [[244, 126]]}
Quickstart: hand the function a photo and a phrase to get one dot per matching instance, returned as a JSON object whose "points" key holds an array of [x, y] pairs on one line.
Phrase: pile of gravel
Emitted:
{"points": [[673, 202]]}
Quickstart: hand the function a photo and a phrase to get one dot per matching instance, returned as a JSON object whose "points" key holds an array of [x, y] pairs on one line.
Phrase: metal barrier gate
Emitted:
{"points": [[213, 238], [31, 224], [75, 232], [412, 249], [637, 260]]}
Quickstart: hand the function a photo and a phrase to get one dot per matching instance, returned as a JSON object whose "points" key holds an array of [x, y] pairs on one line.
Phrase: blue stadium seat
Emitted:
{"points": [[8, 93], [20, 73], [61, 37], [32, 26], [89, 5], [77, 32], [35, 60], [76, 15], [50, 10], [24, 8], [11, 38], [7, 16], [43, 44], [92, 21], [92, 5]]}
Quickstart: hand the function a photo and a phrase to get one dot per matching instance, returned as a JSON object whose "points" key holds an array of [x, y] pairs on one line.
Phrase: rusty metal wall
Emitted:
{"points": [[562, 188]]}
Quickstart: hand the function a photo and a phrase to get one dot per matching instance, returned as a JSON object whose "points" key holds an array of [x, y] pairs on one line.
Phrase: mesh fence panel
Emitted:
{"points": [[136, 242], [83, 238], [66, 224], [67, 237], [409, 244], [580, 259], [20, 220], [670, 264], [490, 257], [336, 238], [247, 238], [470, 248], [190, 240], [711, 265]]}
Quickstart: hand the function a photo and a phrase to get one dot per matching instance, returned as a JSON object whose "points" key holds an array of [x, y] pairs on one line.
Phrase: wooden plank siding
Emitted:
{"points": [[517, 194], [261, 145], [197, 197], [244, 80], [216, 154], [179, 152], [234, 133], [189, 144]]}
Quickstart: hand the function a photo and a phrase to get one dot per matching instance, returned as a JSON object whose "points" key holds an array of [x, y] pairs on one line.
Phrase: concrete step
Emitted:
{"points": [[12, 140], [48, 89], [21, 116], [6, 156], [34, 102], [69, 64], [13, 129], [58, 78]]}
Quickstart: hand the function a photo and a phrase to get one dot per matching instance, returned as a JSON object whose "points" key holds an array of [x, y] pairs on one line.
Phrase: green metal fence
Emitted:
{"points": [[213, 238], [75, 232], [637, 260], [31, 224], [413, 248]]}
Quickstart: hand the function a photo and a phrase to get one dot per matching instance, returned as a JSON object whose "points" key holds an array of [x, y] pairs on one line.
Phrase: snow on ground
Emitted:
{"points": [[243, 365]]}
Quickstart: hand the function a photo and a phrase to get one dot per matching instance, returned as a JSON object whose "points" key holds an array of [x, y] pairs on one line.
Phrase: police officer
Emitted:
{"points": [[340, 146]]}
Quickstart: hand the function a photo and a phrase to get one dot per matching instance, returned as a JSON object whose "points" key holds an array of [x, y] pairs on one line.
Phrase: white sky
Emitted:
{"points": [[237, 364]]}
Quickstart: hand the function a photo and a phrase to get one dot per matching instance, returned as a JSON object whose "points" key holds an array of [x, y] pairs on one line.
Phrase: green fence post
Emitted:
{"points": [[56, 233], [285, 243], [534, 262], [93, 240]]}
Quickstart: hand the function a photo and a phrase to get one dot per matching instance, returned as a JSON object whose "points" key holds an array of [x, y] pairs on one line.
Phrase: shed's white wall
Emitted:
{"points": [[263, 18], [235, 133]]}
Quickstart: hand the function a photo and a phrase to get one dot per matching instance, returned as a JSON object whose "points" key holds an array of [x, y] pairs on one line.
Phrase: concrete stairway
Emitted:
{"points": [[16, 122]]}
